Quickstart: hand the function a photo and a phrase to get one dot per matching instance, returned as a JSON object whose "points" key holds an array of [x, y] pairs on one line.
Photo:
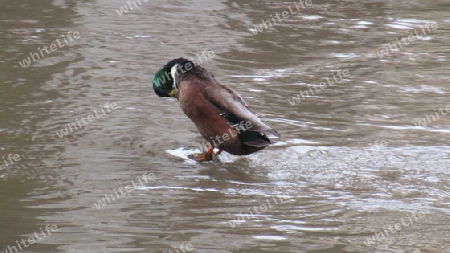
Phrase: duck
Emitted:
{"points": [[220, 114]]}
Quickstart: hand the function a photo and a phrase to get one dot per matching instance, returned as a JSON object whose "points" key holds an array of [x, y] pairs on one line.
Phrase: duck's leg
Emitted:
{"points": [[202, 157]]}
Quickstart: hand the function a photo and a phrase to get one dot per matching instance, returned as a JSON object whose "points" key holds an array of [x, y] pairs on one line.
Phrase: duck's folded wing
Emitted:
{"points": [[232, 107]]}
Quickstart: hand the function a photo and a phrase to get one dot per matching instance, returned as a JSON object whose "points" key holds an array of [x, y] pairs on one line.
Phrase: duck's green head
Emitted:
{"points": [[164, 82]]}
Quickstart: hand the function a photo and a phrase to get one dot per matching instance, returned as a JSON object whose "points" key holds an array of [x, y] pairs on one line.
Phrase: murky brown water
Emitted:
{"points": [[354, 164]]}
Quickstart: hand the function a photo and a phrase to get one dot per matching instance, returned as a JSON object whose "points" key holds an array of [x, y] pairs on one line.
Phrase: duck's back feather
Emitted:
{"points": [[232, 107]]}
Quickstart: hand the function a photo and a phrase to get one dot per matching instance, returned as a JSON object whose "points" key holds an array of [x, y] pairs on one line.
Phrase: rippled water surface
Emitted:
{"points": [[355, 170]]}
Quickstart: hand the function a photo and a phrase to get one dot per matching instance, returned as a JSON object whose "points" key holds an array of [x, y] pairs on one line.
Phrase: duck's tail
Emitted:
{"points": [[259, 139]]}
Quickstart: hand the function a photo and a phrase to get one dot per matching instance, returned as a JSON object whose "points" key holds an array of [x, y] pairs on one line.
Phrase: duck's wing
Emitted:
{"points": [[232, 107]]}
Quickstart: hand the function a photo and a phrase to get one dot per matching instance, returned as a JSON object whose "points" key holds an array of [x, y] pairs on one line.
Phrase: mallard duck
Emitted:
{"points": [[220, 114]]}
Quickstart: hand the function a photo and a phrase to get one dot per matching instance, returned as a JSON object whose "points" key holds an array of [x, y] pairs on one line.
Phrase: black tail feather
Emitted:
{"points": [[258, 139]]}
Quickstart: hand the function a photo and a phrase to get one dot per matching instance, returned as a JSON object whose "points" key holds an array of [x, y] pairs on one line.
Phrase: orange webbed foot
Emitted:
{"points": [[205, 157], [201, 157]]}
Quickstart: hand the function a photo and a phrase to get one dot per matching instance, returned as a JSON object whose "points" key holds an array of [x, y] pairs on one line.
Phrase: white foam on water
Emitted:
{"points": [[270, 237], [293, 141], [184, 153], [196, 189]]}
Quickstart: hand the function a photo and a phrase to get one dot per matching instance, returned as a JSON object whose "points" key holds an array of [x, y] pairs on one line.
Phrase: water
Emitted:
{"points": [[354, 163]]}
